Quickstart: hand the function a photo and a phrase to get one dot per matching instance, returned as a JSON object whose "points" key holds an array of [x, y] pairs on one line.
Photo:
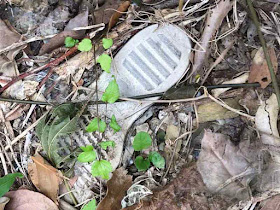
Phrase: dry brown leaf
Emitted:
{"points": [[259, 71], [187, 191], [115, 17], [80, 20], [221, 161], [117, 187], [272, 203], [29, 200], [213, 22], [45, 177]]}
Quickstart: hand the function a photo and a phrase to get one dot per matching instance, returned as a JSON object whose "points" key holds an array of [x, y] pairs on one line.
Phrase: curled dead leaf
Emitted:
{"points": [[45, 177], [259, 71], [117, 187], [27, 199]]}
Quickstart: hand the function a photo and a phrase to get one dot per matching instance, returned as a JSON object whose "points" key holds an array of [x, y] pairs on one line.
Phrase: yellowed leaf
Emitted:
{"points": [[45, 177]]}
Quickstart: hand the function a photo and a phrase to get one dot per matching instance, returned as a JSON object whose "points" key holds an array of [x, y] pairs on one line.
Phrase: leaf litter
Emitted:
{"points": [[190, 155]]}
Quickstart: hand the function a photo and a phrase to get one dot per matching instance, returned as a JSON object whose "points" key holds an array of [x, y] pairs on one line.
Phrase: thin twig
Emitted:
{"points": [[265, 50]]}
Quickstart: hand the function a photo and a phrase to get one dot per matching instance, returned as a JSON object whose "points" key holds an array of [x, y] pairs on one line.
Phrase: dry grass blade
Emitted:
{"points": [[213, 22]]}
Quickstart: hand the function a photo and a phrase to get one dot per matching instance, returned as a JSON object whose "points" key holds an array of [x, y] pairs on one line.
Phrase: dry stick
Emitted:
{"points": [[264, 46], [48, 65]]}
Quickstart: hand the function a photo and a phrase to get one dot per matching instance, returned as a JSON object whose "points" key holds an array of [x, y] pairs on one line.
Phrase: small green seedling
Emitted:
{"points": [[141, 141], [114, 125], [70, 42], [7, 181], [85, 45], [107, 43], [106, 144], [105, 62], [96, 125], [88, 154], [112, 92], [101, 168], [90, 205]]}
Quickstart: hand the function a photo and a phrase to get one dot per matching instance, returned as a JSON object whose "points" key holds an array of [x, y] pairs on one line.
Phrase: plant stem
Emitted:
{"points": [[265, 50], [70, 193]]}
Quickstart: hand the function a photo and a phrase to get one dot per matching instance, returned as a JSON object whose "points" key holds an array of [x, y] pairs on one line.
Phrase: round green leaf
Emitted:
{"points": [[85, 45], [90, 205], [87, 156], [70, 42], [112, 92], [141, 164], [142, 140], [105, 62], [106, 144], [101, 168], [114, 125], [96, 125], [107, 43], [87, 148], [157, 159]]}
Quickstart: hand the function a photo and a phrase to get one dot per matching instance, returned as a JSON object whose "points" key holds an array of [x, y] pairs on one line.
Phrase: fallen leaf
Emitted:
{"points": [[3, 202], [80, 20], [213, 111], [45, 177], [116, 15], [259, 71], [116, 190], [27, 199], [240, 79], [213, 22], [219, 161], [271, 203], [172, 132], [187, 191]]}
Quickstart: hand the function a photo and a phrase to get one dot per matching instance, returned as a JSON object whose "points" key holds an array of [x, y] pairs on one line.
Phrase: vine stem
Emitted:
{"points": [[265, 50]]}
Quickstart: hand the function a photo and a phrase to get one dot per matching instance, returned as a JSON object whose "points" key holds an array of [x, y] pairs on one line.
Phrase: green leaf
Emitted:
{"points": [[142, 140], [157, 159], [101, 168], [70, 42], [114, 125], [85, 45], [141, 164], [106, 144], [62, 120], [112, 92], [105, 62], [107, 43], [90, 205], [88, 154], [96, 125], [7, 181]]}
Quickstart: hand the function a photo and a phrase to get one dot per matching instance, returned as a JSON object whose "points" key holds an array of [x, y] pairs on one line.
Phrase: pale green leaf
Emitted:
{"points": [[157, 159], [141, 163], [112, 92], [101, 168], [7, 181], [88, 154], [105, 144], [107, 43], [90, 205], [105, 62], [142, 140], [70, 42], [114, 125], [85, 45], [96, 125]]}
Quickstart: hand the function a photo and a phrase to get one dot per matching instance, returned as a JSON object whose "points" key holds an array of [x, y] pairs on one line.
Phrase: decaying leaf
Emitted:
{"points": [[115, 17], [271, 204], [80, 20], [220, 162], [187, 191], [213, 111], [27, 199], [117, 187], [3, 202], [259, 71], [61, 120], [45, 177], [213, 22]]}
